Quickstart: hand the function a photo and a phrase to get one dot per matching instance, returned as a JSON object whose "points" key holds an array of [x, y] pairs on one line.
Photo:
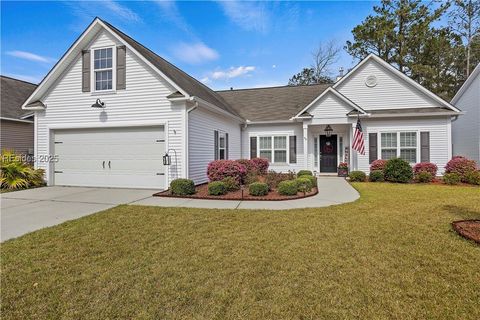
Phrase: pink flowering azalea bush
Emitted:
{"points": [[461, 166], [425, 167], [260, 165], [378, 165], [249, 165], [220, 169]]}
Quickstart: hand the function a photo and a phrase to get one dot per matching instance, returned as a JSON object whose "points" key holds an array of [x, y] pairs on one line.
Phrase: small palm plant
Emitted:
{"points": [[16, 174]]}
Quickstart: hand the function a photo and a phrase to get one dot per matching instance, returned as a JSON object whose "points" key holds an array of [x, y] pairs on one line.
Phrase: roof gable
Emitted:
{"points": [[387, 88], [466, 85], [182, 82]]}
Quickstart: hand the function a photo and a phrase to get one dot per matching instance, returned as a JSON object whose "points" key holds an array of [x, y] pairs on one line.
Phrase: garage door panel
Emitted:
{"points": [[132, 157]]}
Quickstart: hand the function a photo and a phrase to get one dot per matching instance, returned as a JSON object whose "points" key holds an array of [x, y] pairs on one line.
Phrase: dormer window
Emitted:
{"points": [[103, 74]]}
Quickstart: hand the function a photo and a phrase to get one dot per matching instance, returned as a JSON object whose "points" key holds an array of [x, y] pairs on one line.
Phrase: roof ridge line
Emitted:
{"points": [[278, 87]]}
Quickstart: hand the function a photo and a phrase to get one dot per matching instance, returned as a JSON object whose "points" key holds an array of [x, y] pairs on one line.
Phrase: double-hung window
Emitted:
{"points": [[222, 146], [280, 149], [103, 69], [273, 148], [265, 148], [399, 145]]}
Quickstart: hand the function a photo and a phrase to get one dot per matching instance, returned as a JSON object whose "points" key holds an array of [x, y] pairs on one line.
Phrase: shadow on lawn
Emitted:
{"points": [[461, 213]]}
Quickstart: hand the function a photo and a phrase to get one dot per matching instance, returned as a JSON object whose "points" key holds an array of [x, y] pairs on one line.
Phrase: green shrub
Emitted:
{"points": [[304, 184], [376, 176], [398, 170], [17, 174], [452, 178], [304, 173], [182, 187], [313, 180], [217, 188], [357, 176], [258, 189], [424, 177], [288, 188], [231, 183], [250, 178], [472, 177], [274, 178]]}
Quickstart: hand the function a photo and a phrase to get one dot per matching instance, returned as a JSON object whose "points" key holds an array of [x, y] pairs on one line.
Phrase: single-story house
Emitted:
{"points": [[16, 124], [466, 129], [110, 109]]}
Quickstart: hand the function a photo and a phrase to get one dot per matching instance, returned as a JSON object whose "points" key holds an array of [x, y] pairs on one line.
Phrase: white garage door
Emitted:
{"points": [[128, 157]]}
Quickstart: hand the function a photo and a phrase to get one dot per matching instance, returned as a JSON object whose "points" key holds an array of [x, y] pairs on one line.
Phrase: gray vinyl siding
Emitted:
{"points": [[17, 136], [466, 129], [201, 126]]}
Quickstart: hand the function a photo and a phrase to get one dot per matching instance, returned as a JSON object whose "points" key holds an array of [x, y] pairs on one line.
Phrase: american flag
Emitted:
{"points": [[358, 141]]}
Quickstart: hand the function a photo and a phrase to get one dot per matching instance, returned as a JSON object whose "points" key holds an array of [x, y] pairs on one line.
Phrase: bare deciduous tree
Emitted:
{"points": [[324, 57]]}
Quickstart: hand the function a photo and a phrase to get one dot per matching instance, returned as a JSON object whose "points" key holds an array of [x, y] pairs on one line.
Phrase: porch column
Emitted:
{"points": [[305, 145], [353, 154]]}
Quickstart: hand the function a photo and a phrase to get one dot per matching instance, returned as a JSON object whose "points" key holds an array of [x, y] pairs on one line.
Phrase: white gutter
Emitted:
{"points": [[401, 115], [214, 108]]}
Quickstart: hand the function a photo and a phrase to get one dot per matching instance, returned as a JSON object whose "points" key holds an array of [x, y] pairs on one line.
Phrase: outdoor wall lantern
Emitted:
{"points": [[328, 131], [167, 159], [98, 104]]}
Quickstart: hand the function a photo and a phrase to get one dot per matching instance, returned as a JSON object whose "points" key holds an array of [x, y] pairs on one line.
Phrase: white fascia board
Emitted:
{"points": [[401, 75], [324, 93], [466, 84], [60, 66], [409, 115]]}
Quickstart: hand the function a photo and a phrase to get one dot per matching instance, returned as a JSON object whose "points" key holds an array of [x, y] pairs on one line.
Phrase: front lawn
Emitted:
{"points": [[390, 255]]}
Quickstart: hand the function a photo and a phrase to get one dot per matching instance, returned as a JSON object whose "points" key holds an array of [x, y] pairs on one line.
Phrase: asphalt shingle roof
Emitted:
{"points": [[13, 94], [272, 104], [191, 85]]}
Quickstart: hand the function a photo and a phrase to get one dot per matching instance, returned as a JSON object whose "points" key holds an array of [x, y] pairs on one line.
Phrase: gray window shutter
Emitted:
{"points": [[215, 143], [226, 146], [253, 147], [372, 147], [425, 146], [293, 149], [121, 67], [86, 71]]}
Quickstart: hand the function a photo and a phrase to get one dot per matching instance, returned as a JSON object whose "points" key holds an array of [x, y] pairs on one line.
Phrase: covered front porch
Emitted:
{"points": [[327, 145]]}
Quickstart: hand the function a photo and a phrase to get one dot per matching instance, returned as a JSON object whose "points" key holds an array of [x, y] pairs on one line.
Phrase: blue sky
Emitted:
{"points": [[224, 44]]}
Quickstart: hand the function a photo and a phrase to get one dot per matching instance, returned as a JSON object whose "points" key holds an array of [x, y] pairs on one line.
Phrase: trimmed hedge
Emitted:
{"points": [[398, 170], [217, 188], [260, 165], [231, 184], [288, 188], [182, 187], [312, 179], [461, 166], [220, 169], [451, 178], [258, 189], [304, 184], [304, 173], [378, 164], [357, 176], [424, 177], [425, 167], [376, 176], [473, 177]]}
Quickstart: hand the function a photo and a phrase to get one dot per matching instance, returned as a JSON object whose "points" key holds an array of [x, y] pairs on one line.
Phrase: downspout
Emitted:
{"points": [[187, 141]]}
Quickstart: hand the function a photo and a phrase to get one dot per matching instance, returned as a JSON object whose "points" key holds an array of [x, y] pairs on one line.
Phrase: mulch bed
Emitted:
{"points": [[202, 193], [469, 229]]}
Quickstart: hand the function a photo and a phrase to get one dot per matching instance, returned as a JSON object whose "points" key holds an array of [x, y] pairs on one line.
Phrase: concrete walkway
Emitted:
{"points": [[29, 210], [331, 191]]}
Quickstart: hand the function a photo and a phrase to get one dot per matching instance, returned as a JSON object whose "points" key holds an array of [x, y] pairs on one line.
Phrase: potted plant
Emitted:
{"points": [[343, 169]]}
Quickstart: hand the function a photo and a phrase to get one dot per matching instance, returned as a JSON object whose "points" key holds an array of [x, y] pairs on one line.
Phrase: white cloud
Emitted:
{"points": [[121, 11], [29, 56], [232, 72], [250, 16], [274, 66], [195, 53], [170, 11]]}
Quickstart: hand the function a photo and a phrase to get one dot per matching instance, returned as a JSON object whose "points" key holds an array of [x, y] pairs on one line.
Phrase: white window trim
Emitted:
{"points": [[114, 69], [379, 143], [221, 135], [273, 147]]}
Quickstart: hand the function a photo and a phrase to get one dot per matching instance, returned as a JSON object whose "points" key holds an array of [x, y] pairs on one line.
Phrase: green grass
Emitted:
{"points": [[390, 255]]}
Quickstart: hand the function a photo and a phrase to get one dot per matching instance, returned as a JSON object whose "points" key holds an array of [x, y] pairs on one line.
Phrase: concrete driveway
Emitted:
{"points": [[29, 210]]}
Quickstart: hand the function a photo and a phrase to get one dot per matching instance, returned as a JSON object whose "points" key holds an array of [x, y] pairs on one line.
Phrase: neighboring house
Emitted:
{"points": [[466, 129], [16, 124], [152, 108]]}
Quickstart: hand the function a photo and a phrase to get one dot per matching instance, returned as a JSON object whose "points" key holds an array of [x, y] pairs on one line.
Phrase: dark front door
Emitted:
{"points": [[328, 153]]}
